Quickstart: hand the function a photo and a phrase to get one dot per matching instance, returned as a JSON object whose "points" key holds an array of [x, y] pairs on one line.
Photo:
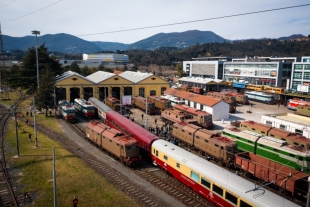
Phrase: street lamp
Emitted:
{"points": [[36, 33]]}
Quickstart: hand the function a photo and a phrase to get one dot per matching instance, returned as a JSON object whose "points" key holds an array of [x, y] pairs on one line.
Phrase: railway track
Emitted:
{"points": [[161, 180], [7, 191], [133, 190]]}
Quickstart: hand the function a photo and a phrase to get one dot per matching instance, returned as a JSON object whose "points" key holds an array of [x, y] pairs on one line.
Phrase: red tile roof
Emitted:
{"points": [[205, 100]]}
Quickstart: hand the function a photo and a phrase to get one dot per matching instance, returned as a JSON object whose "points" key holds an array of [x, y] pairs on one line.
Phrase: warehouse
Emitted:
{"points": [[71, 85], [218, 108]]}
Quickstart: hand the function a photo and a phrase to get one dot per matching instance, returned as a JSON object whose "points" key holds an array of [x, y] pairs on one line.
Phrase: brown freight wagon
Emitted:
{"points": [[113, 103], [287, 179], [140, 102]]}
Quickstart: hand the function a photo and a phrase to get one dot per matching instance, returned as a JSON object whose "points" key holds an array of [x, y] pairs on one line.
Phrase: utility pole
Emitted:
{"points": [[35, 123], [54, 178]]}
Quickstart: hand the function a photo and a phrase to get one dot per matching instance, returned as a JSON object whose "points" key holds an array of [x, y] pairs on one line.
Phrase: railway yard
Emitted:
{"points": [[148, 185]]}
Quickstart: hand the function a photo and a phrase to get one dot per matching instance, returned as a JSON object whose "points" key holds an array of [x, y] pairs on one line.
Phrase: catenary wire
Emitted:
{"points": [[7, 4], [32, 12], [199, 20]]}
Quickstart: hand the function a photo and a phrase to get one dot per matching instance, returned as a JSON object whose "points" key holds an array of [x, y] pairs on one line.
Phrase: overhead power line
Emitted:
{"points": [[32, 12], [7, 4], [200, 20]]}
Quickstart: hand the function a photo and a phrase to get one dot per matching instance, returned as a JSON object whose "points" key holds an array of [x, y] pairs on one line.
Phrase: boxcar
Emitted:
{"points": [[122, 147], [205, 142], [203, 118], [113, 103], [214, 183], [289, 180], [140, 103]]}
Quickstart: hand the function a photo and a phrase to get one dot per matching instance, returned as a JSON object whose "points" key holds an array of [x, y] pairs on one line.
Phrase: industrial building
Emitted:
{"points": [[95, 60], [71, 85], [288, 121], [207, 84], [218, 108]]}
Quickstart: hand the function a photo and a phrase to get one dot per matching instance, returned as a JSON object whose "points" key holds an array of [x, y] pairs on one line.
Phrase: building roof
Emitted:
{"points": [[100, 76], [68, 74], [205, 100], [291, 118], [135, 77], [200, 80]]}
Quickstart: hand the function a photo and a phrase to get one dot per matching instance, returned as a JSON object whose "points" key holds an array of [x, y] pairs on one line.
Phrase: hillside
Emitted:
{"points": [[111, 46], [58, 42], [177, 39]]}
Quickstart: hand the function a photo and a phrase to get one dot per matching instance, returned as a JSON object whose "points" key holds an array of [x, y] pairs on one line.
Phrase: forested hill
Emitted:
{"points": [[266, 47]]}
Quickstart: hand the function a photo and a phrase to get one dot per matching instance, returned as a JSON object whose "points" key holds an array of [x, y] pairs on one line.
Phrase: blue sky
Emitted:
{"points": [[80, 17]]}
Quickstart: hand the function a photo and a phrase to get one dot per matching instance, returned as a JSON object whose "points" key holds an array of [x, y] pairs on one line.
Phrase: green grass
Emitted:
{"points": [[74, 177]]}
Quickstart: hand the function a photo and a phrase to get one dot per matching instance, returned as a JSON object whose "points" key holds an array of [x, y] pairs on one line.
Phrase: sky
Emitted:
{"points": [[96, 20]]}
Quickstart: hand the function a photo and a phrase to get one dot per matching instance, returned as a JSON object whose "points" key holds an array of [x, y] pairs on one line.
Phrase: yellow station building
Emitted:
{"points": [[71, 85]]}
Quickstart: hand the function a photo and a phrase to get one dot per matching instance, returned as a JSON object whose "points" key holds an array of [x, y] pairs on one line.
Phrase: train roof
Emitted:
{"points": [[82, 102], [98, 104], [256, 125], [222, 177], [289, 135], [258, 93], [133, 128], [111, 133], [64, 102], [269, 141], [189, 109], [67, 107]]}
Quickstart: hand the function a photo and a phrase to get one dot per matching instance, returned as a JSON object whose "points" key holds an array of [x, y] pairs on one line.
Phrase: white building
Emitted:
{"points": [[290, 122], [218, 108], [204, 69], [301, 75]]}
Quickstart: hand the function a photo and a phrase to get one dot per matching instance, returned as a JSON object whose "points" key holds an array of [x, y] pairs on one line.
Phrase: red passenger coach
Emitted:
{"points": [[143, 136]]}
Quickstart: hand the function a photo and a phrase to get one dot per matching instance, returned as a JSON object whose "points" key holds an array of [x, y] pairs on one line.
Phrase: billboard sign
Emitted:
{"points": [[126, 100]]}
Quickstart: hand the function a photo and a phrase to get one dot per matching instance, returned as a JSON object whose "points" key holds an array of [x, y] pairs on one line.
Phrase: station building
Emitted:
{"points": [[71, 85], [288, 121], [218, 108]]}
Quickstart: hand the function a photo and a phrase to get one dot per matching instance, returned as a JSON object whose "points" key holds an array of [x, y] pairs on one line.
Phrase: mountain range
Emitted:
{"points": [[67, 43]]}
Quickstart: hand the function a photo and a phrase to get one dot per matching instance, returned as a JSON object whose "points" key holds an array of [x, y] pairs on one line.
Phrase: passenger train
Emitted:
{"points": [[84, 107], [260, 97], [214, 183]]}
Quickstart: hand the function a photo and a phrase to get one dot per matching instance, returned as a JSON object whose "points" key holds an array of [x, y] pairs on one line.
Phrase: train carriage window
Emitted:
{"points": [[295, 143], [194, 176], [276, 150], [205, 183], [117, 144], [156, 153], [216, 145], [262, 132], [217, 190], [231, 198], [249, 141], [206, 141], [261, 145], [165, 157], [291, 155], [178, 165], [190, 133], [244, 204], [222, 147], [300, 158], [271, 135], [182, 130], [253, 129], [197, 137], [110, 140]]}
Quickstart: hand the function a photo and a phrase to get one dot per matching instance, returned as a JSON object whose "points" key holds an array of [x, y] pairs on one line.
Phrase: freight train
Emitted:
{"points": [[267, 130], [289, 181], [270, 148], [140, 103], [203, 118], [218, 185], [205, 142], [160, 103], [115, 142], [84, 107], [113, 103]]}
